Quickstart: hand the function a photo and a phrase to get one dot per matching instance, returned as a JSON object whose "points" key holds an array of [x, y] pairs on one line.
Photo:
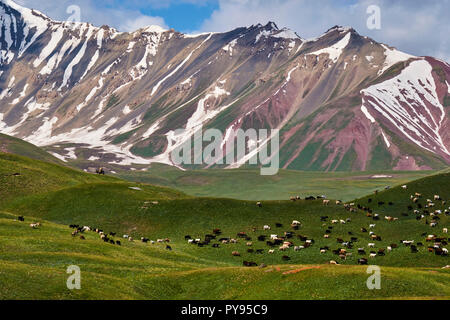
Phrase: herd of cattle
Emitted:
{"points": [[285, 242], [292, 240]]}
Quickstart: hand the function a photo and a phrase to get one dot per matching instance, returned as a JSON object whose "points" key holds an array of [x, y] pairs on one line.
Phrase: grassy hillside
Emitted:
{"points": [[248, 184], [33, 261], [20, 147], [23, 176]]}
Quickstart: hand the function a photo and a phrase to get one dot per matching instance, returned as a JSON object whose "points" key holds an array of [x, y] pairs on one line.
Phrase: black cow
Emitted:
{"points": [[362, 261]]}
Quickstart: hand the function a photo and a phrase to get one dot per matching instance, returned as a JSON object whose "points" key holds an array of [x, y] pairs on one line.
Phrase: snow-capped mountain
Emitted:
{"points": [[341, 101]]}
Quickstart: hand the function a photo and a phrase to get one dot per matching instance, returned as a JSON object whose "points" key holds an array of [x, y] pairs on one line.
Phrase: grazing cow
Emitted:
{"points": [[118, 243], [187, 237], [262, 238], [404, 187], [362, 261], [125, 236], [259, 204], [35, 225], [145, 240], [338, 202], [295, 223], [445, 230], [249, 244], [241, 235], [333, 262], [168, 247], [288, 234], [21, 218], [371, 245], [266, 227], [235, 254], [273, 237], [334, 221], [437, 197], [326, 202], [271, 251], [372, 255]]}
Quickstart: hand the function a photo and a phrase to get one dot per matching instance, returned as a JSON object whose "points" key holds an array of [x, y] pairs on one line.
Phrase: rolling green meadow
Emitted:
{"points": [[248, 184], [33, 262]]}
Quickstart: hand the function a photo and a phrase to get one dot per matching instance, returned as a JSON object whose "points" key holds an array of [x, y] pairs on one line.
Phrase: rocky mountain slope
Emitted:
{"points": [[341, 101]]}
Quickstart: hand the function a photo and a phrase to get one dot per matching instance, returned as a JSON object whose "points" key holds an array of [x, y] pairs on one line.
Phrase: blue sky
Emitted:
{"points": [[415, 26], [186, 17]]}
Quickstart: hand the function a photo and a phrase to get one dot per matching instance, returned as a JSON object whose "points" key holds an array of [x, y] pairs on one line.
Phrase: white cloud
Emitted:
{"points": [[142, 21], [102, 12]]}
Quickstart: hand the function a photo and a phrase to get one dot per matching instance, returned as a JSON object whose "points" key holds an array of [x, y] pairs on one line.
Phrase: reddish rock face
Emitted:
{"points": [[121, 96]]}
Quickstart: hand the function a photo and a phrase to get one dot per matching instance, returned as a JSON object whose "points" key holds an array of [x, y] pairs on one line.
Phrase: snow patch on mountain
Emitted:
{"points": [[156, 87], [50, 47], [388, 144], [393, 56], [367, 114], [335, 51], [410, 102], [229, 47]]}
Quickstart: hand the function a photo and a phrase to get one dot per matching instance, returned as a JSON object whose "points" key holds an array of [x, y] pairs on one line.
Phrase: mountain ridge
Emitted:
{"points": [[118, 97]]}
